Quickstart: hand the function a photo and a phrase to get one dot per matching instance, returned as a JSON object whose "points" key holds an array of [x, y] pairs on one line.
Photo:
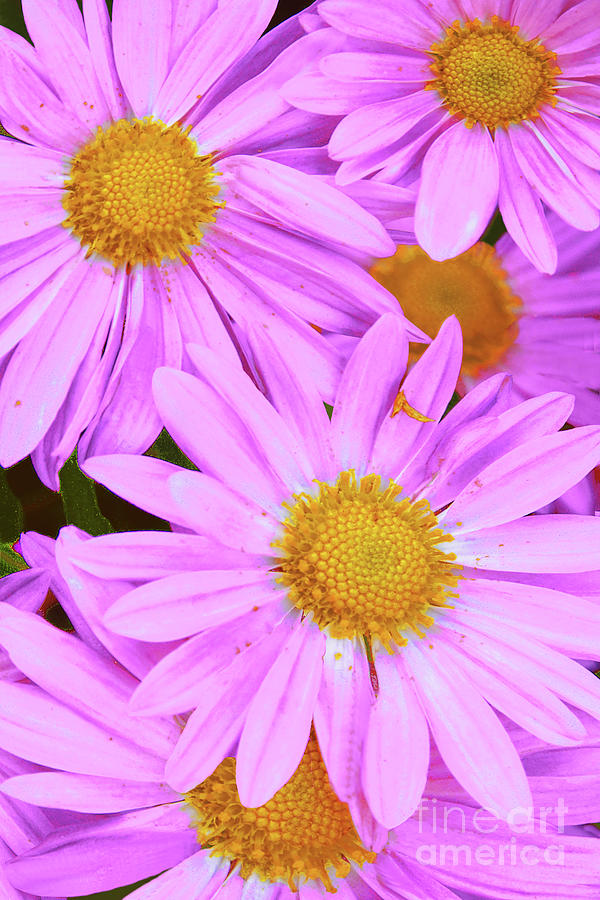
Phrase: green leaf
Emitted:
{"points": [[11, 16], [454, 399], [79, 499], [115, 894], [328, 409], [494, 231], [10, 560], [11, 512], [164, 447]]}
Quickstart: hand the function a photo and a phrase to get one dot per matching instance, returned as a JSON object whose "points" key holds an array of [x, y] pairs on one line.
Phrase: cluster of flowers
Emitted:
{"points": [[361, 660]]}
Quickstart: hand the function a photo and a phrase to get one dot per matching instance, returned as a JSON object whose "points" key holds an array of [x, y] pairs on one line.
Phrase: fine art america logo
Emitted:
{"points": [[456, 835]]}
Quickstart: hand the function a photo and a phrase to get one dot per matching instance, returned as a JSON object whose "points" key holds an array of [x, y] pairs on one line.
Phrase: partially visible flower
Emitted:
{"points": [[543, 330], [486, 103], [94, 762], [347, 570], [139, 214]]}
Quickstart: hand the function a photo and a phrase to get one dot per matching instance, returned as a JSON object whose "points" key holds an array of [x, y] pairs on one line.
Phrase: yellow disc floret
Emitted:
{"points": [[363, 562], [138, 192], [472, 286], [304, 832], [491, 75]]}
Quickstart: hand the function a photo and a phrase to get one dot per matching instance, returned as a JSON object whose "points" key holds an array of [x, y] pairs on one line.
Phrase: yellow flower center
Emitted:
{"points": [[472, 286], [304, 832], [138, 192], [489, 74], [362, 562]]}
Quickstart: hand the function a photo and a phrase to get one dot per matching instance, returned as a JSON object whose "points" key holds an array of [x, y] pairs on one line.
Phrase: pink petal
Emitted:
{"points": [[41, 551], [86, 681], [198, 318], [396, 755], [547, 173], [225, 37], [257, 103], [24, 167], [534, 19], [86, 793], [142, 480], [36, 281], [141, 46], [41, 729], [199, 877], [524, 479], [577, 134], [471, 740], [356, 19], [176, 682], [328, 290], [298, 404], [405, 874], [305, 349], [560, 544], [578, 875], [428, 388], [367, 390], [87, 390], [279, 717], [522, 211], [532, 706], [580, 96], [62, 49], [397, 163], [300, 285], [39, 373], [283, 455], [365, 65], [127, 421], [38, 114], [487, 398], [189, 17], [380, 125], [217, 441], [98, 32], [81, 858], [341, 714], [180, 605], [221, 711], [29, 212], [458, 192], [302, 203], [144, 555], [567, 623], [318, 94], [571, 31], [213, 509], [466, 451], [92, 597], [571, 681]]}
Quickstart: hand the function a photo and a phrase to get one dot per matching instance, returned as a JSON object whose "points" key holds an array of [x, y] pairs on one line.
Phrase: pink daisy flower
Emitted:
{"points": [[139, 214], [346, 571], [544, 330], [124, 823], [487, 103]]}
